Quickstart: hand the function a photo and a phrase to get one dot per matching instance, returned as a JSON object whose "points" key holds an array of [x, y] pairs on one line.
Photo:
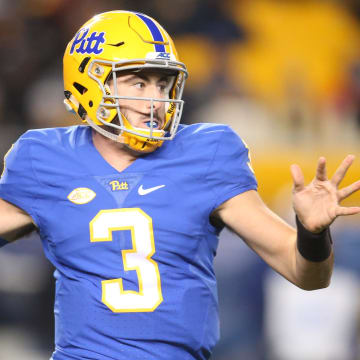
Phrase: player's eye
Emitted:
{"points": [[139, 85], [164, 87]]}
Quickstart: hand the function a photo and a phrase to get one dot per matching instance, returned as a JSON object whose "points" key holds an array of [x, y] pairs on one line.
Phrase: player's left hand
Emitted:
{"points": [[317, 205]]}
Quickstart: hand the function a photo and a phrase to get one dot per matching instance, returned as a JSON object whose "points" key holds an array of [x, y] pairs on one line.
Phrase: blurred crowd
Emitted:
{"points": [[285, 74]]}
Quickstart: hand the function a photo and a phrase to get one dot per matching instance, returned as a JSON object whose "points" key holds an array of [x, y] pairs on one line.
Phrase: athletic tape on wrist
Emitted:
{"points": [[313, 247]]}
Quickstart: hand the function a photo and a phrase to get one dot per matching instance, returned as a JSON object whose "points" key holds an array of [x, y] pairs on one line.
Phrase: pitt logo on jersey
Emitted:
{"points": [[84, 44], [117, 185], [81, 196]]}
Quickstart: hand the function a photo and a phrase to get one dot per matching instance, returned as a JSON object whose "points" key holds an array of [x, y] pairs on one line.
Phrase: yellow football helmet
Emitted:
{"points": [[121, 41]]}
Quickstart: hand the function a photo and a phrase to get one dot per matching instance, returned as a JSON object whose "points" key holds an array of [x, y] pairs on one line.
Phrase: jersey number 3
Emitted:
{"points": [[149, 296]]}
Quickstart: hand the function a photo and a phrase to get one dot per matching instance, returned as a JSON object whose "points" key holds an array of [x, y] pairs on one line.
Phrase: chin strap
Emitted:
{"points": [[134, 142]]}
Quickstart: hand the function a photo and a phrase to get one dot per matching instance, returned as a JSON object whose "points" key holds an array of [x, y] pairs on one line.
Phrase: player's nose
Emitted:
{"points": [[153, 92]]}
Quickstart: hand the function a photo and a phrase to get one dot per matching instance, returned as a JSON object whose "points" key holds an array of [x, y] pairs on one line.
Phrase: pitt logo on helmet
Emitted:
{"points": [[88, 45]]}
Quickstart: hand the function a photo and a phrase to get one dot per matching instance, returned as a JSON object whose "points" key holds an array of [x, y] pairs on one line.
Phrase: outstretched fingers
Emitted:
{"points": [[298, 177], [348, 190], [321, 170], [342, 169], [343, 211]]}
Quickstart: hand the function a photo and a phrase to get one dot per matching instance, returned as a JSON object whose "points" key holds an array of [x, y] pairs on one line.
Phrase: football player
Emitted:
{"points": [[130, 204]]}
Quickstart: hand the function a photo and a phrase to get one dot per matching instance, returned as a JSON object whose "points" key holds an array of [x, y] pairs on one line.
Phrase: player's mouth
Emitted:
{"points": [[155, 124]]}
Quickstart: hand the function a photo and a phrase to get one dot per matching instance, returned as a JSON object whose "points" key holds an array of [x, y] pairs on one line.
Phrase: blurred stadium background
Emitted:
{"points": [[285, 74]]}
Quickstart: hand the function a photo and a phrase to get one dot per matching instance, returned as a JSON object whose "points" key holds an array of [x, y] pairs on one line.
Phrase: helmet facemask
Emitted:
{"points": [[114, 123]]}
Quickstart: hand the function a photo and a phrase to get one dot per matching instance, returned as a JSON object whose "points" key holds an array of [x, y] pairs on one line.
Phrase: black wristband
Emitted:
{"points": [[3, 242], [312, 246]]}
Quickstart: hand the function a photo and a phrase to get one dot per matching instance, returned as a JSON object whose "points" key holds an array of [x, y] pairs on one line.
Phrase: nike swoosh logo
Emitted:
{"points": [[142, 191]]}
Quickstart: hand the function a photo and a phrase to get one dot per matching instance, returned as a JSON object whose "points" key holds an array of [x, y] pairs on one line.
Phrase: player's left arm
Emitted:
{"points": [[316, 205]]}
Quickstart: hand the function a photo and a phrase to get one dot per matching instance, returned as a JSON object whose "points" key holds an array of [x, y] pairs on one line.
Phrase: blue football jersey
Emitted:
{"points": [[133, 250]]}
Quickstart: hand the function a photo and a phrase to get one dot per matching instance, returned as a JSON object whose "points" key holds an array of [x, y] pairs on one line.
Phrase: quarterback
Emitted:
{"points": [[129, 205]]}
